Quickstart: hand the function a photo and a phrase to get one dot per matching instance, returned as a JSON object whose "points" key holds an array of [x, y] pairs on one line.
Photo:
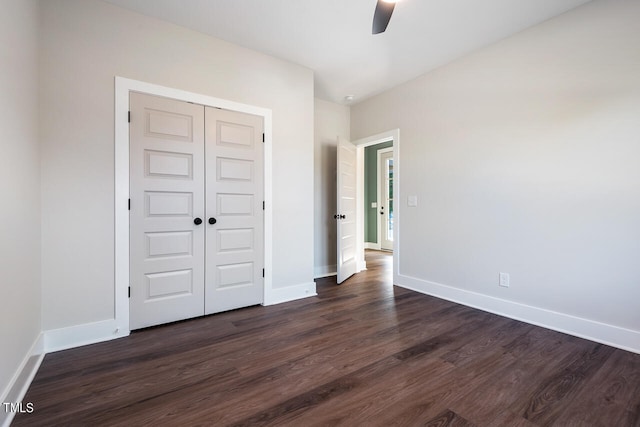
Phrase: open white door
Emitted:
{"points": [[346, 210]]}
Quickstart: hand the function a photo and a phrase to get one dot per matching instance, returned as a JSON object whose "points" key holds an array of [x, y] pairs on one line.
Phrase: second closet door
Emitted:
{"points": [[234, 205]]}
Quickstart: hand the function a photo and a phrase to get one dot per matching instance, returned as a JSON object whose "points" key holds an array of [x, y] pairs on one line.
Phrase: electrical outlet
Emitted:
{"points": [[504, 280]]}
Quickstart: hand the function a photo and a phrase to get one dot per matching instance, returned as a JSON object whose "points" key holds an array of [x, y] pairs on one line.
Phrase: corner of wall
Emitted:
{"points": [[19, 384], [80, 335]]}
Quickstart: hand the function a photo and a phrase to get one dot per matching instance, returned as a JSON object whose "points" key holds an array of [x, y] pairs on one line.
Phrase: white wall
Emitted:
{"points": [[525, 159], [331, 122], [85, 44], [19, 189]]}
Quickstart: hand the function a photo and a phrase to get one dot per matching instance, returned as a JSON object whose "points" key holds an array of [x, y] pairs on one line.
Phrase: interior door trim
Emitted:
{"points": [[123, 87]]}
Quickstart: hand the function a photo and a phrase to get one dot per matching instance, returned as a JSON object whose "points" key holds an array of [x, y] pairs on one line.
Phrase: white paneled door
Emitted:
{"points": [[195, 226], [346, 207], [166, 198], [234, 244]]}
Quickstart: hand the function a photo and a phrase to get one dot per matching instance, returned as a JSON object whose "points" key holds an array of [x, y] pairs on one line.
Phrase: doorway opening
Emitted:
{"points": [[384, 222], [378, 196]]}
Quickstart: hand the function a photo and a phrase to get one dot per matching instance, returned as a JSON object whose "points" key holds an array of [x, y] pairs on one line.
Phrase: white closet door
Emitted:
{"points": [[167, 202], [235, 216]]}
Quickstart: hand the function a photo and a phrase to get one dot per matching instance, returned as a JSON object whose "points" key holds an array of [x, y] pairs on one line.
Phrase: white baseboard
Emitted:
{"points": [[22, 379], [325, 271], [105, 330], [321, 276], [332, 270], [370, 245], [615, 336], [85, 334], [291, 293]]}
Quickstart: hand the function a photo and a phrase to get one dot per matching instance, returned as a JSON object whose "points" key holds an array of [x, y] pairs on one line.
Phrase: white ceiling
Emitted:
{"points": [[333, 37]]}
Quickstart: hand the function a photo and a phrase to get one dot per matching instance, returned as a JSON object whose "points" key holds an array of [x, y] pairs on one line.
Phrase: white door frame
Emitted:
{"points": [[381, 196], [123, 87], [390, 135]]}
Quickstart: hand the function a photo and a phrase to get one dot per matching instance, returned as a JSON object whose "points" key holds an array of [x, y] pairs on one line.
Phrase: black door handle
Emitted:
{"points": [[197, 221], [212, 220], [343, 216], [381, 213]]}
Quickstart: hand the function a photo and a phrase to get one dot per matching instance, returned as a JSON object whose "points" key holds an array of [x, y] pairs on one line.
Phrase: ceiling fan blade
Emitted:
{"points": [[381, 16]]}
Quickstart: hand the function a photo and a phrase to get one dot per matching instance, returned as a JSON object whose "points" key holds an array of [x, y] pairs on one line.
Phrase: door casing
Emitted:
{"points": [[123, 87]]}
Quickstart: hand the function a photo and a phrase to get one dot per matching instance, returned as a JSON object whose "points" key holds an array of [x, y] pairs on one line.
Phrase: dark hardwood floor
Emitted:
{"points": [[362, 353]]}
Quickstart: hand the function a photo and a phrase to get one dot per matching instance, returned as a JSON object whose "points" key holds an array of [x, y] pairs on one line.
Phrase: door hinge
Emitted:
{"points": [[129, 205], [263, 137], [263, 272], [129, 116], [129, 291]]}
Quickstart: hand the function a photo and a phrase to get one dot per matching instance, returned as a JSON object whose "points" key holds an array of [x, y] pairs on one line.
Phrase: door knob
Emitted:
{"points": [[381, 213], [197, 221], [212, 220], [343, 216]]}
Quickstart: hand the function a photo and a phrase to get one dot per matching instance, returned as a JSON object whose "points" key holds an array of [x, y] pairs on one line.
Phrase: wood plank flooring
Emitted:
{"points": [[362, 353]]}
